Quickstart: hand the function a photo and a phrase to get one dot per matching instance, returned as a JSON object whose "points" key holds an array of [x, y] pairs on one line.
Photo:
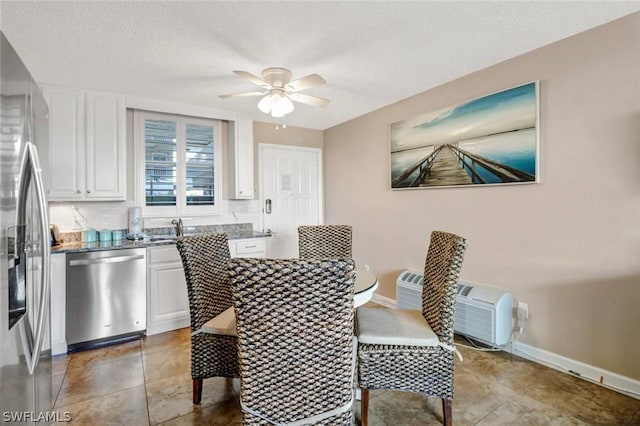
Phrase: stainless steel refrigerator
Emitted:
{"points": [[25, 337]]}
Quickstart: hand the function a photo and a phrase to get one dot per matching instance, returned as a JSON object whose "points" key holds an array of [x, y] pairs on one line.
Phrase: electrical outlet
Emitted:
{"points": [[523, 311]]}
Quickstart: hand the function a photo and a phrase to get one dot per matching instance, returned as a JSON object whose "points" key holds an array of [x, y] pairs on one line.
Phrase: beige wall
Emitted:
{"points": [[569, 246], [296, 136]]}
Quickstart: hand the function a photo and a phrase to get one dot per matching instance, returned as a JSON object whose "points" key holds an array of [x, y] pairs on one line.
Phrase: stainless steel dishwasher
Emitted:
{"points": [[106, 297]]}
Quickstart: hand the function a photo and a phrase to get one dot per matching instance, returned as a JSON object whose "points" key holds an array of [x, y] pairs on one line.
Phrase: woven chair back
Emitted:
{"points": [[440, 283], [205, 260], [295, 336], [324, 241]]}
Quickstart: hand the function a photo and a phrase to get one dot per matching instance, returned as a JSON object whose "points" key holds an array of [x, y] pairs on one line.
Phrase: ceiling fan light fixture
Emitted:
{"points": [[276, 103], [282, 106], [279, 92], [265, 104]]}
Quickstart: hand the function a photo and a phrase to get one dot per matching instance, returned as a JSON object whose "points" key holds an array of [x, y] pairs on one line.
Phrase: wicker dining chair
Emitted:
{"points": [[324, 241], [214, 350], [412, 350], [296, 346]]}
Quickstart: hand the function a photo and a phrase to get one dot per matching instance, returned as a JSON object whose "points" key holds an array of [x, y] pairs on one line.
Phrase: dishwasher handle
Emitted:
{"points": [[115, 259]]}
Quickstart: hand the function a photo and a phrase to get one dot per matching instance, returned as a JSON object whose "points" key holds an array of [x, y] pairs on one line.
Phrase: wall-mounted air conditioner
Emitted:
{"points": [[483, 313], [409, 290]]}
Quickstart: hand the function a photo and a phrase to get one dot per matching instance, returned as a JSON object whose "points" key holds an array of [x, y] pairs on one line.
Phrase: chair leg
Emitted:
{"points": [[364, 406], [446, 412], [197, 390]]}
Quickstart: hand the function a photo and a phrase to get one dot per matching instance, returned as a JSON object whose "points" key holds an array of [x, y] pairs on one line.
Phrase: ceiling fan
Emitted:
{"points": [[279, 91]]}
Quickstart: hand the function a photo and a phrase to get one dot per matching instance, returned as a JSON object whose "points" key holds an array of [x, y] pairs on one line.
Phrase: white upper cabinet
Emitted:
{"points": [[106, 146], [66, 175], [87, 145], [240, 175]]}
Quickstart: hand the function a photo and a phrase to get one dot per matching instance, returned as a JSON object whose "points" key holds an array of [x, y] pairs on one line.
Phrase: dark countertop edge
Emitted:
{"points": [[80, 247]]}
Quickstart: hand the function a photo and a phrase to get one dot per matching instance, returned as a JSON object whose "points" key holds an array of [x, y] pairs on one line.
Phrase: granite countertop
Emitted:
{"points": [[156, 237]]}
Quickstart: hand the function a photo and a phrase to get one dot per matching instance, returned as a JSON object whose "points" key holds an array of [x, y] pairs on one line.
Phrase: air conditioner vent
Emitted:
{"points": [[482, 313], [409, 290], [412, 278], [463, 290]]}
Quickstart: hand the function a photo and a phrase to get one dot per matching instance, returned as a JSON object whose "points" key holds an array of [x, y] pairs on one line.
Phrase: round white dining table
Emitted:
{"points": [[366, 284]]}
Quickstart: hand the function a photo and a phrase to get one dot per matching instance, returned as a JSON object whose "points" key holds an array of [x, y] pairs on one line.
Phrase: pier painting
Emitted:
{"points": [[488, 140]]}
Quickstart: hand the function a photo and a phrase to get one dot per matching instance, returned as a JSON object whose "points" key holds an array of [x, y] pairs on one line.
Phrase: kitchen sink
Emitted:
{"points": [[166, 238], [163, 238]]}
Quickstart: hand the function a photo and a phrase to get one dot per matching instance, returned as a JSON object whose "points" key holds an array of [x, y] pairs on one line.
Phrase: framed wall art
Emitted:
{"points": [[484, 141]]}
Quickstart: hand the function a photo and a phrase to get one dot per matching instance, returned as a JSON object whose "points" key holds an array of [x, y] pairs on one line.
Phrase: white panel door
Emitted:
{"points": [[291, 194]]}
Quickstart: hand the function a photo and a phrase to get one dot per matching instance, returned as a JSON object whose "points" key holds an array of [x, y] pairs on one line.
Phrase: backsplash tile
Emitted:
{"points": [[227, 228], [72, 218]]}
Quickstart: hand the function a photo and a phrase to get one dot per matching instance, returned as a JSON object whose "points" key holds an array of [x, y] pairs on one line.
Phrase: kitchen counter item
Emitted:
{"points": [[105, 297], [89, 235], [54, 235], [135, 223], [105, 235], [117, 235]]}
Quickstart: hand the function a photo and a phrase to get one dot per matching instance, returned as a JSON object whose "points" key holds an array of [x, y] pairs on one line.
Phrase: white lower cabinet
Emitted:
{"points": [[58, 304], [167, 300], [247, 248]]}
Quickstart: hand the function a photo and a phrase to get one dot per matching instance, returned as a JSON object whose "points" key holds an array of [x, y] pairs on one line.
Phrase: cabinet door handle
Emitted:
{"points": [[78, 191], [88, 191]]}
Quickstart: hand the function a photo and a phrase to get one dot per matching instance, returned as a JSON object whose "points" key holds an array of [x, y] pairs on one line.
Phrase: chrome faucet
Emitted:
{"points": [[179, 229]]}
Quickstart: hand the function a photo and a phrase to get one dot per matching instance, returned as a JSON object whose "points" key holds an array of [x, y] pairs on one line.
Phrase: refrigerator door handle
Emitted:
{"points": [[30, 169]]}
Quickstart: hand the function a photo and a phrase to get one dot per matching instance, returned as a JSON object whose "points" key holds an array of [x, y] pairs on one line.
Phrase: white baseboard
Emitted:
{"points": [[614, 381], [58, 348], [384, 301], [167, 325], [608, 379]]}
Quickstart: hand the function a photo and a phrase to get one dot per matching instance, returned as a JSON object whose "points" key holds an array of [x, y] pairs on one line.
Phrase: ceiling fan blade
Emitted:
{"points": [[309, 100], [312, 80], [252, 78], [241, 95]]}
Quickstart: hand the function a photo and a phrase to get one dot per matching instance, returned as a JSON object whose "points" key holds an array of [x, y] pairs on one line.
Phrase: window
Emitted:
{"points": [[181, 165]]}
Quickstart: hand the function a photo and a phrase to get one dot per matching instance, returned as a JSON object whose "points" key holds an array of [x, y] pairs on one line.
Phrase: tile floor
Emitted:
{"points": [[148, 382]]}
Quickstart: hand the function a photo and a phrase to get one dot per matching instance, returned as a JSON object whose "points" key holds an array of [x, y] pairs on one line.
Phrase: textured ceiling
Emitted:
{"points": [[371, 53]]}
